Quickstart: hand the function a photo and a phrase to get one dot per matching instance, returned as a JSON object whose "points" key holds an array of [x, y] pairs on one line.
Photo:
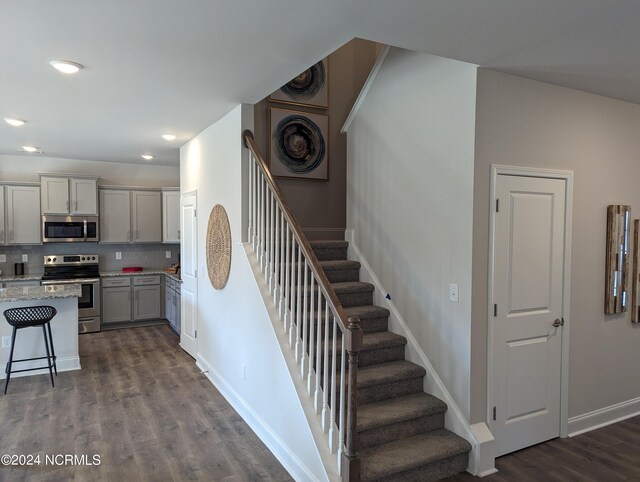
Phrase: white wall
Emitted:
{"points": [[234, 329], [526, 123], [410, 200], [26, 168]]}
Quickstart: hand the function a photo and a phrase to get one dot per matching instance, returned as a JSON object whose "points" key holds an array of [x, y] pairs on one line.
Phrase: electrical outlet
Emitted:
{"points": [[118, 255], [6, 341], [3, 258], [25, 258], [167, 254], [453, 292]]}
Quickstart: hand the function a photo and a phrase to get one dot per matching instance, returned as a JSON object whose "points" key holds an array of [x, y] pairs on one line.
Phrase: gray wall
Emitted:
{"points": [[526, 123], [410, 200], [320, 205]]}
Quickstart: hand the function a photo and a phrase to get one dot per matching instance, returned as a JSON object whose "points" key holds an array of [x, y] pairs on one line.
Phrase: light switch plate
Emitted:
{"points": [[453, 292], [25, 258], [118, 255], [3, 258], [167, 254]]}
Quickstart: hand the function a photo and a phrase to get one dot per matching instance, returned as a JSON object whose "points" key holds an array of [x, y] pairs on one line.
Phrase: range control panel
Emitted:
{"points": [[70, 259]]}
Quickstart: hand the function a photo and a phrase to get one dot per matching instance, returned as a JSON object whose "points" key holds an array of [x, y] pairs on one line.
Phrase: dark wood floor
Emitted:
{"points": [[611, 453], [142, 405]]}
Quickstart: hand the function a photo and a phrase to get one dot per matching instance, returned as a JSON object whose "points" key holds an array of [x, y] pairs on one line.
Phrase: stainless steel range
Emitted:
{"points": [[79, 269]]}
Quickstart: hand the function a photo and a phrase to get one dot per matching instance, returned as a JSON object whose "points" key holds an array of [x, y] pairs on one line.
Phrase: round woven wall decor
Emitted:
{"points": [[218, 247]]}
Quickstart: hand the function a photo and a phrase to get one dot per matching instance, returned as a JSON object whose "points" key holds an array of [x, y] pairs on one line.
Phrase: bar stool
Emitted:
{"points": [[26, 317]]}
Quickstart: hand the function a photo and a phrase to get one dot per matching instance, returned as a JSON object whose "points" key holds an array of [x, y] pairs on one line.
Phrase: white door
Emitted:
{"points": [[189, 272], [528, 266]]}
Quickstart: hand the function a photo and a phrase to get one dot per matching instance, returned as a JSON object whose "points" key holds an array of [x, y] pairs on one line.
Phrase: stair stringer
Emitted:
{"points": [[481, 458], [306, 402]]}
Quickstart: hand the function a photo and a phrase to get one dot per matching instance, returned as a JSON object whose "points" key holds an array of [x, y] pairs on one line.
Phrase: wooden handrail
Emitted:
{"points": [[351, 343]]}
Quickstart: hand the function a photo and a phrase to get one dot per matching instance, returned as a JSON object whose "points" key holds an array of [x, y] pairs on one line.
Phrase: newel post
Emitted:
{"points": [[350, 459]]}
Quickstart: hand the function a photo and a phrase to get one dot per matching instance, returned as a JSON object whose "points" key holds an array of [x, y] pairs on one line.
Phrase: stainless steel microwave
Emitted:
{"points": [[69, 229]]}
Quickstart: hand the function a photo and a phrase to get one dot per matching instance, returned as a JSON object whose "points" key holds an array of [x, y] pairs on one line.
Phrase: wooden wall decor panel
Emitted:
{"points": [[218, 247], [617, 259]]}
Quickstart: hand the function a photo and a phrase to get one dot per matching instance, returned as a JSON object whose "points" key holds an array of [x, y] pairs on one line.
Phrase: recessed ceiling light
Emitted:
{"points": [[14, 122], [147, 157], [31, 149], [66, 66], [168, 137]]}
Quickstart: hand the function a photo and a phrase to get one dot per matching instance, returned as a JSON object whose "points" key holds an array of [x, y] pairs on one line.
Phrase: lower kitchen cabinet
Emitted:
{"points": [[130, 298], [172, 303]]}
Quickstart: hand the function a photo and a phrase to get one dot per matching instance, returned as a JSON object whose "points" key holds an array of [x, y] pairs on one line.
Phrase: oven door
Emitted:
{"points": [[89, 300]]}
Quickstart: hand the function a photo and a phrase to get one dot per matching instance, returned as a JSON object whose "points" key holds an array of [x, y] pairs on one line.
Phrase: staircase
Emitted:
{"points": [[400, 429]]}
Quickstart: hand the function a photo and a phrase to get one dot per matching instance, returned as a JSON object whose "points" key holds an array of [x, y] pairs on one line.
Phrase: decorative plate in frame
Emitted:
{"points": [[298, 144], [218, 247], [310, 88]]}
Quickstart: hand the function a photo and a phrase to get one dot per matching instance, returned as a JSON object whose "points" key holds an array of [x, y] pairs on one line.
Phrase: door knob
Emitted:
{"points": [[558, 322]]}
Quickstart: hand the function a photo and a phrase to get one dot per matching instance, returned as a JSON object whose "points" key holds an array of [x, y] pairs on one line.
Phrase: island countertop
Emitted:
{"points": [[36, 293]]}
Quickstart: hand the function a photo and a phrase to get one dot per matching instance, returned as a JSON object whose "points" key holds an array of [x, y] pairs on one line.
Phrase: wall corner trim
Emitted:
{"points": [[365, 89], [481, 458]]}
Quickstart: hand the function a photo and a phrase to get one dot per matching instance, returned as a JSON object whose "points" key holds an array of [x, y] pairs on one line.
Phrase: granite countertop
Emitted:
{"points": [[21, 277], [144, 272], [36, 293]]}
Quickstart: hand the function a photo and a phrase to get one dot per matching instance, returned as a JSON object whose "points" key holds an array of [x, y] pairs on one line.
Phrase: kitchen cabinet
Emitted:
{"points": [[21, 225], [130, 216], [171, 215], [3, 231], [69, 195], [172, 303], [130, 298]]}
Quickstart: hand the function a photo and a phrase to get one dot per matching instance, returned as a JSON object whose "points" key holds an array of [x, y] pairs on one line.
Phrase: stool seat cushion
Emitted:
{"points": [[29, 315]]}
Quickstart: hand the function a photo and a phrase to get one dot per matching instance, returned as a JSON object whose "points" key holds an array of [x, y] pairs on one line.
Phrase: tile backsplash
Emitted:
{"points": [[145, 255]]}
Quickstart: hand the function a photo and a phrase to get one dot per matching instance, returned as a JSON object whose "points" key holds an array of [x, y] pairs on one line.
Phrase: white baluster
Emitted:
{"points": [[312, 317], [317, 402], [267, 230], [298, 304], [277, 260], [287, 286], [250, 228], [325, 371], [305, 325], [292, 278], [333, 430], [343, 396], [254, 168], [283, 263], [270, 245], [261, 220]]}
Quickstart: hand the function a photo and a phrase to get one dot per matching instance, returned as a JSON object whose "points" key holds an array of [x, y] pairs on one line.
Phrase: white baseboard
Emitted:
{"points": [[603, 417], [481, 458], [285, 455], [63, 364]]}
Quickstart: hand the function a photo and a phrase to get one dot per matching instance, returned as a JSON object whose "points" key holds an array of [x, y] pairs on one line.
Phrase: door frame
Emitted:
{"points": [[567, 176]]}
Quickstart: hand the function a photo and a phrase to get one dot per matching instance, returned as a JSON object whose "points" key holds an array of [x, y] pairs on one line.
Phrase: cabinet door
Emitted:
{"points": [[115, 216], [55, 195], [116, 305], [84, 196], [146, 216], [176, 311], [23, 215], [3, 232], [168, 304], [146, 302], [170, 216]]}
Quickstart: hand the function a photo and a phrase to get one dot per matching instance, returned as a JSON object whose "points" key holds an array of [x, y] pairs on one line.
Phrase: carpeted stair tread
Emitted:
{"points": [[367, 311], [381, 339], [352, 287], [388, 372], [336, 264], [386, 412], [328, 243], [410, 453]]}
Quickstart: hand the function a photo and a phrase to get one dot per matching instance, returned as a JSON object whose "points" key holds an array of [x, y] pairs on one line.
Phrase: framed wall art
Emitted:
{"points": [[298, 144], [617, 259], [310, 88]]}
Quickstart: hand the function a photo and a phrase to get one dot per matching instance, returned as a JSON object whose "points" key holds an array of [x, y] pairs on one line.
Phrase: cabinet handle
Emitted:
{"points": [[178, 234], [128, 235], [1, 236], [11, 235], [137, 236], [75, 203], [67, 205]]}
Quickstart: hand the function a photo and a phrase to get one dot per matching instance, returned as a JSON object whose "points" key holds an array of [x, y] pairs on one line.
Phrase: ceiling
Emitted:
{"points": [[159, 66]]}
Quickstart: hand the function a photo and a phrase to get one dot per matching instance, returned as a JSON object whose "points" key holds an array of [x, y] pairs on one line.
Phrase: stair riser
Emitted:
{"points": [[431, 472], [369, 357], [330, 254], [375, 393], [407, 428], [356, 298]]}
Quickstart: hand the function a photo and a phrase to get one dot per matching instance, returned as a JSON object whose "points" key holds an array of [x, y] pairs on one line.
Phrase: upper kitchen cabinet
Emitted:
{"points": [[128, 216], [76, 195], [170, 215], [22, 222]]}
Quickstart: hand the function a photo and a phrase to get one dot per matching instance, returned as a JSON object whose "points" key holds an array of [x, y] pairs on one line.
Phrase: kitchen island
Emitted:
{"points": [[29, 341]]}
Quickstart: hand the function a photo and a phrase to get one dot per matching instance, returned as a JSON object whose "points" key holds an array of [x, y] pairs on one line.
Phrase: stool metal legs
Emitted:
{"points": [[8, 369], [53, 353], [46, 345]]}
